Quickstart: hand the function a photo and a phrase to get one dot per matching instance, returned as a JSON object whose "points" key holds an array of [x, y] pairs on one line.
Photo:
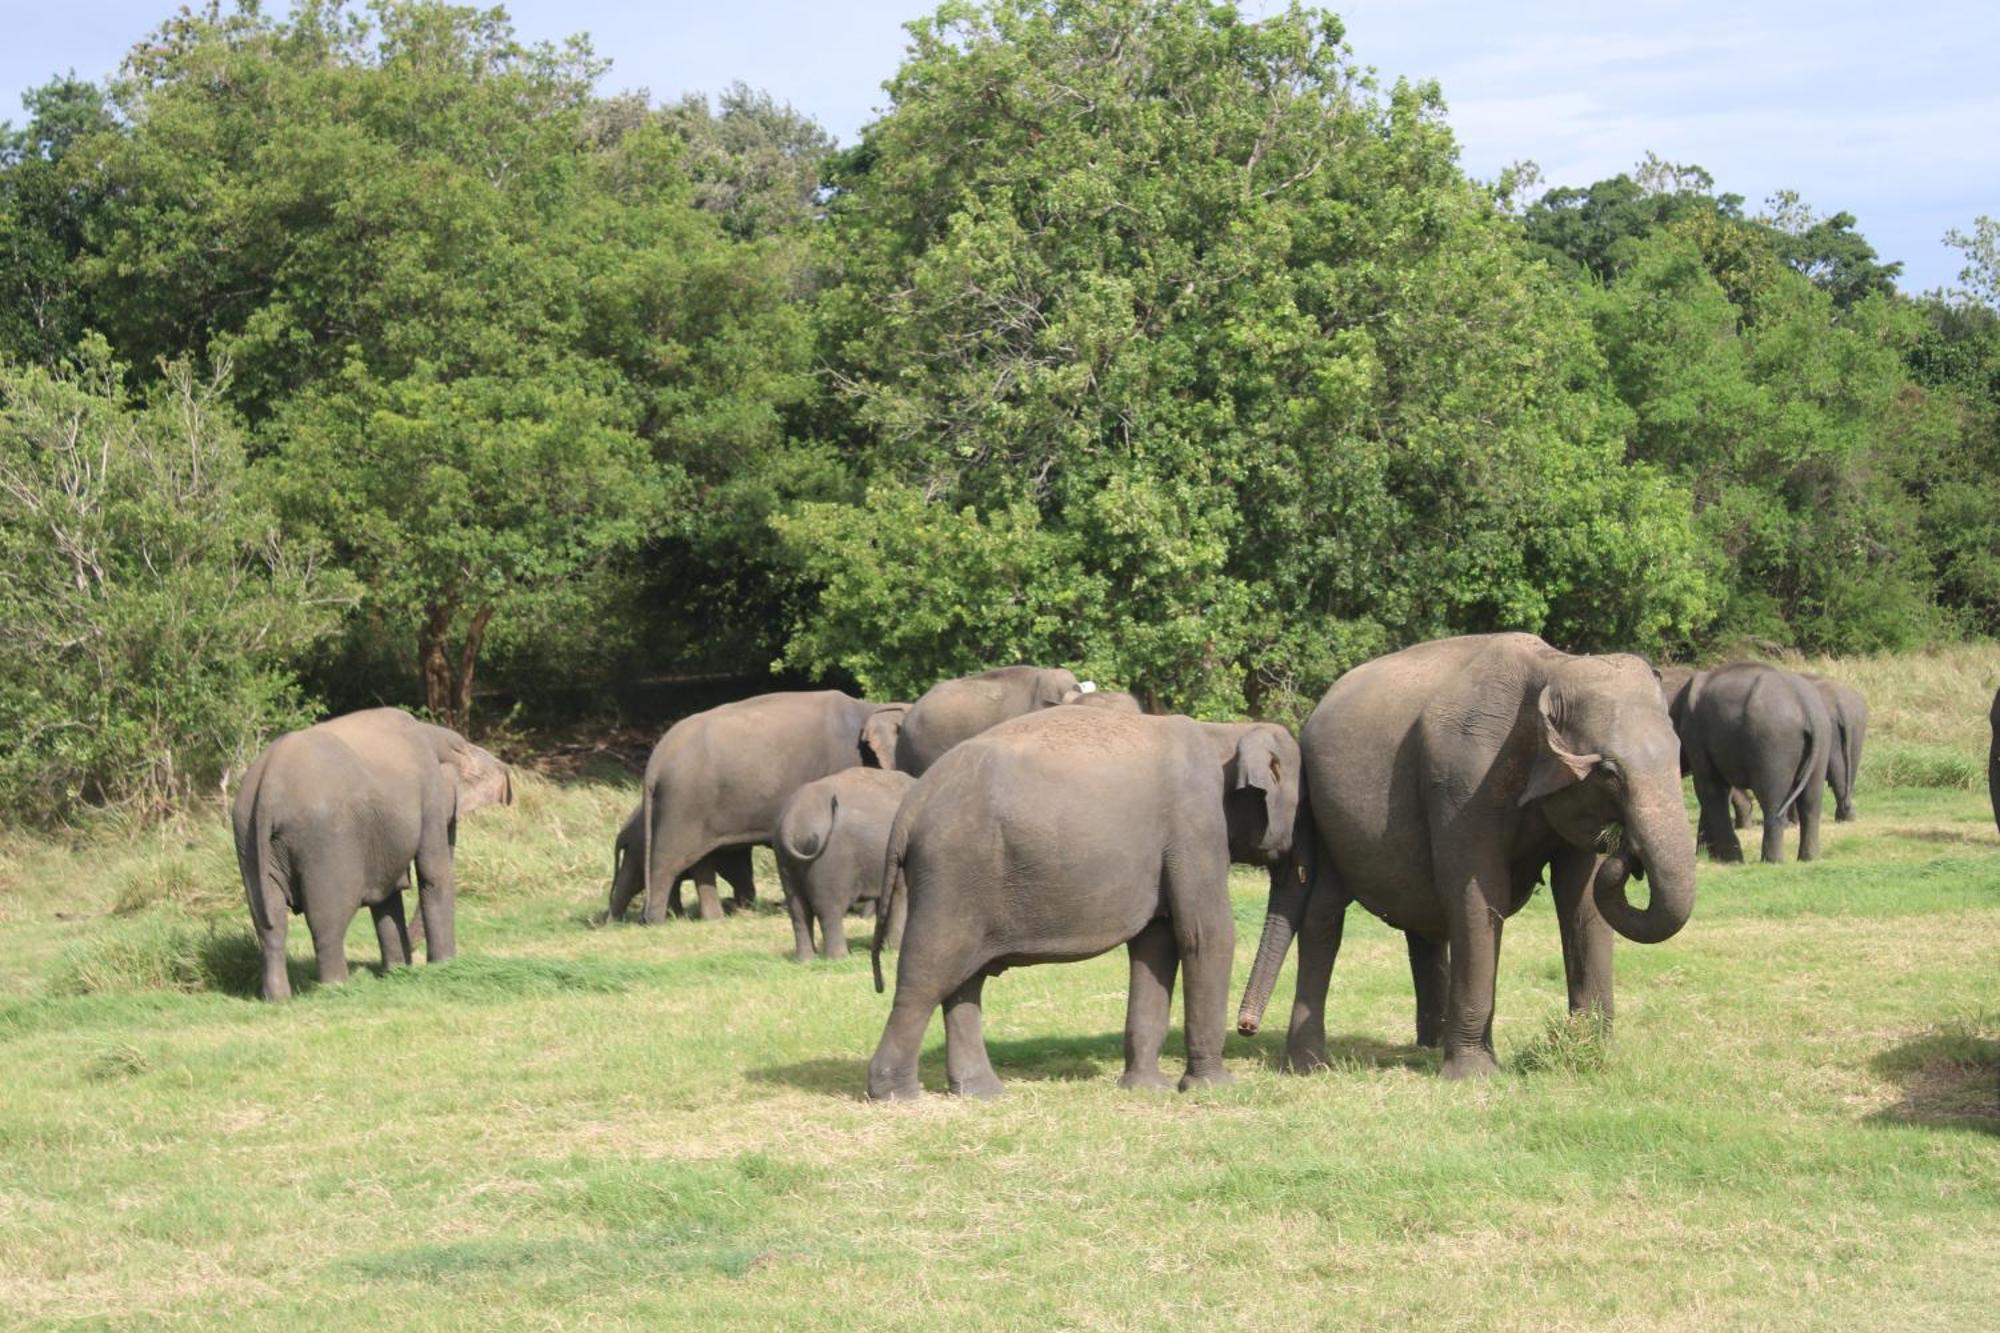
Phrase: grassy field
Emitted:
{"points": [[1799, 1123]]}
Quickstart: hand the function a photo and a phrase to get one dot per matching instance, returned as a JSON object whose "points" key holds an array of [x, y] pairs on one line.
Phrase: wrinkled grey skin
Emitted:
{"points": [[1441, 782], [1993, 760], [1849, 711], [1766, 730], [955, 710], [1116, 700], [628, 868], [1057, 836], [831, 837], [332, 817], [717, 780]]}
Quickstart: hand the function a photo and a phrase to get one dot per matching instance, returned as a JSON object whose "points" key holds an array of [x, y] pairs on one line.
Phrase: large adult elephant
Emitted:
{"points": [[1057, 836], [1765, 730], [955, 710], [717, 780], [1441, 782], [830, 841], [331, 817]]}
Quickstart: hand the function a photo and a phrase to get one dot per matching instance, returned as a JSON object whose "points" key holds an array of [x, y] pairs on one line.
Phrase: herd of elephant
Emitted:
{"points": [[1019, 816]]}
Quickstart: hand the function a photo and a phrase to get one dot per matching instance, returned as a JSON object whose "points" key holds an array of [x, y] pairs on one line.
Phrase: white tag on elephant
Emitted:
{"points": [[1087, 687]]}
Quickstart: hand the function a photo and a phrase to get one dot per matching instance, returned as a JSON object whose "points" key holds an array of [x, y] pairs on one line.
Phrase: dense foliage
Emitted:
{"points": [[1135, 335]]}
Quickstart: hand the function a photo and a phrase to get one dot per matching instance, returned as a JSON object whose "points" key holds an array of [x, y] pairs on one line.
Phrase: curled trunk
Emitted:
{"points": [[1659, 849]]}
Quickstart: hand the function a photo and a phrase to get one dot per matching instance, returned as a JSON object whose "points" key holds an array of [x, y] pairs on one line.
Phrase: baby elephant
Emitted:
{"points": [[331, 817], [1057, 836], [831, 834], [628, 870]]}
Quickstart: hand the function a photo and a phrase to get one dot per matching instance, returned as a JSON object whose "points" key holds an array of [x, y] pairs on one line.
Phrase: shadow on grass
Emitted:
{"points": [[1027, 1060], [1352, 1051], [1950, 1078]]}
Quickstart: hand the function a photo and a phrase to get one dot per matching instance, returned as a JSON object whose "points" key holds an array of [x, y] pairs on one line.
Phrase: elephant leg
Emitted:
{"points": [[1474, 884], [1718, 829], [1739, 806], [704, 890], [832, 927], [1587, 939], [1197, 897], [277, 980], [967, 1070], [437, 899], [1319, 946], [391, 932], [1810, 804], [1774, 836], [795, 907], [734, 863], [329, 937], [892, 1071], [1149, 1003], [865, 909], [1430, 975]]}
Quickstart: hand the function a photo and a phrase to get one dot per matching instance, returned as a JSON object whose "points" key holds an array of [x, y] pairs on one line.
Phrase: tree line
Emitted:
{"points": [[374, 354]]}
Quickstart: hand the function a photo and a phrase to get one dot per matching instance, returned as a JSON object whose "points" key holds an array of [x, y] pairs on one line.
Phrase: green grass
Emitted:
{"points": [[1797, 1124]]}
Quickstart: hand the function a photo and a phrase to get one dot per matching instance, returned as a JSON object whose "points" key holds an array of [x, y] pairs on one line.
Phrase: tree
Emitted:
{"points": [[44, 205], [1170, 348]]}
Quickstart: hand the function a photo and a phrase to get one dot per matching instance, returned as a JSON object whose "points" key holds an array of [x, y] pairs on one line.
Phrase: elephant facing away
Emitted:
{"points": [[1767, 731], [1849, 711], [1441, 782], [1055, 837], [628, 868], [830, 842], [331, 817], [955, 710], [717, 780]]}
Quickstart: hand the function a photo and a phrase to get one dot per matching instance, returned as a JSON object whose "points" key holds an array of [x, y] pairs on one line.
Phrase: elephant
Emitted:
{"points": [[332, 816], [1059, 835], [628, 868], [955, 710], [830, 841], [717, 780], [1848, 709], [1766, 730], [1441, 782], [1993, 760]]}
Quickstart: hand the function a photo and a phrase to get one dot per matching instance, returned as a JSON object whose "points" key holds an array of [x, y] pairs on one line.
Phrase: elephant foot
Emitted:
{"points": [[1216, 1078], [1844, 816], [1475, 1063], [984, 1084], [894, 1092], [1303, 1060], [1148, 1080]]}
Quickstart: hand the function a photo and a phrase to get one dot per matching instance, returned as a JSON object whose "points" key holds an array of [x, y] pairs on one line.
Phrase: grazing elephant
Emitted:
{"points": [[831, 836], [717, 780], [1059, 835], [628, 868], [955, 710], [1766, 730], [1441, 781], [331, 817]]}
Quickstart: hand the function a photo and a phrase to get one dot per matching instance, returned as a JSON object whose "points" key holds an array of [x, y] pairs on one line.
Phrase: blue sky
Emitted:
{"points": [[1891, 112]]}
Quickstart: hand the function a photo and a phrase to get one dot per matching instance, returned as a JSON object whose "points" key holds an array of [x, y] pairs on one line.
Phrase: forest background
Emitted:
{"points": [[369, 354]]}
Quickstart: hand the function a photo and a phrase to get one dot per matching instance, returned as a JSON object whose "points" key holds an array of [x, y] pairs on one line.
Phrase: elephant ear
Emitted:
{"points": [[1555, 765], [879, 733], [1258, 764], [476, 776]]}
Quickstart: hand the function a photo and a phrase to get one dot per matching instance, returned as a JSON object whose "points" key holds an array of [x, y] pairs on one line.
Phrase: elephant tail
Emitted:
{"points": [[266, 880], [807, 827], [1812, 761], [893, 886]]}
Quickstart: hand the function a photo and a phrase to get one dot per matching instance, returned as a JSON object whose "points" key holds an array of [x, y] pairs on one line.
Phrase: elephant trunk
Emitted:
{"points": [[1284, 914], [1658, 848]]}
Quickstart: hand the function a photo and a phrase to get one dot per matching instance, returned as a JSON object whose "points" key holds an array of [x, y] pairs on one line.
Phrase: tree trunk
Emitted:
{"points": [[448, 691]]}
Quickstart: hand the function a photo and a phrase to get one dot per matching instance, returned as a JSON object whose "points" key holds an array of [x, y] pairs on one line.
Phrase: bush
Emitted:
{"points": [[148, 608]]}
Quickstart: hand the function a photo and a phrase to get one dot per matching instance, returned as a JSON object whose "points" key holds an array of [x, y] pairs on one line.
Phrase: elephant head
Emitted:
{"points": [[1054, 685], [879, 733], [1603, 755], [1261, 783], [477, 776]]}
